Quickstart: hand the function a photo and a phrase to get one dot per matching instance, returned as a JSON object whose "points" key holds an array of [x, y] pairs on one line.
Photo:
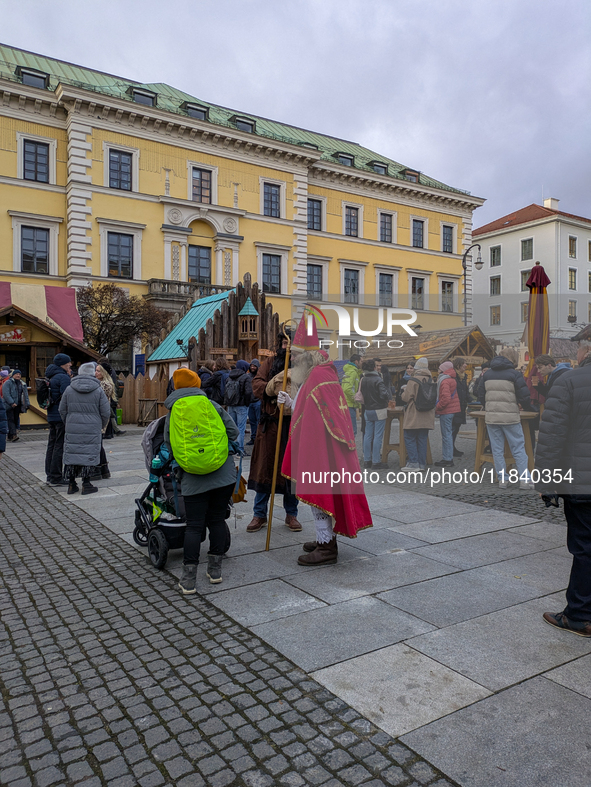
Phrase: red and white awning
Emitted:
{"points": [[55, 306]]}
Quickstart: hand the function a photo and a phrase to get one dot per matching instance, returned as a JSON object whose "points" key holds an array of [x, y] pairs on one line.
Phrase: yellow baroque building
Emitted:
{"points": [[106, 179]]}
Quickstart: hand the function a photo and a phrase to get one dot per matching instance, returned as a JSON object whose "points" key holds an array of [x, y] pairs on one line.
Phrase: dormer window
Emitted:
{"points": [[345, 159], [146, 97], [379, 167], [411, 175], [244, 124], [33, 78], [196, 111], [310, 145]]}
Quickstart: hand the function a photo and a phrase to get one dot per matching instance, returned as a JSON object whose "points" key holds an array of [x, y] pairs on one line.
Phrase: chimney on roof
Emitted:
{"points": [[551, 202]]}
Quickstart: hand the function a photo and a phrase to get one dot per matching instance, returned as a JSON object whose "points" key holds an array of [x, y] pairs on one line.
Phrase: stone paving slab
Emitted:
{"points": [[545, 531], [531, 735], [548, 571], [381, 541], [264, 602], [399, 689], [335, 633], [575, 675], [459, 525], [503, 648]]}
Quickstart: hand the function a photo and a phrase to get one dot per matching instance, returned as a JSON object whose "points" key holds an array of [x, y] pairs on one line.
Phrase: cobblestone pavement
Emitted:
{"points": [[110, 677]]}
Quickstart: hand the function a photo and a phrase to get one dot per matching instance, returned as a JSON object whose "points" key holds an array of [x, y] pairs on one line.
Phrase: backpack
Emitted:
{"points": [[198, 437], [232, 392], [426, 397], [43, 389]]}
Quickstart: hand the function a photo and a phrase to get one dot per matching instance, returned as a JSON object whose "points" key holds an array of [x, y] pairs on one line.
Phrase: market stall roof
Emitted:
{"points": [[53, 306], [563, 348], [195, 319], [582, 335], [436, 346]]}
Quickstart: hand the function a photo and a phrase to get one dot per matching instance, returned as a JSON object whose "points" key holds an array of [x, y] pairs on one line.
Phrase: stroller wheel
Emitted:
{"points": [[157, 548], [140, 537]]}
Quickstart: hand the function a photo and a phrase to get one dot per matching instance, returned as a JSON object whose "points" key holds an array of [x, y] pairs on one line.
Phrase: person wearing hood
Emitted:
{"points": [[205, 371], [85, 411], [254, 408], [552, 371], [238, 395], [206, 496], [417, 423], [215, 386], [16, 400], [448, 404], [503, 392], [58, 374], [350, 382]]}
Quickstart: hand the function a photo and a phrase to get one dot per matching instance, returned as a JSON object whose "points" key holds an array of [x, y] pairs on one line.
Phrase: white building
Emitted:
{"points": [[511, 245]]}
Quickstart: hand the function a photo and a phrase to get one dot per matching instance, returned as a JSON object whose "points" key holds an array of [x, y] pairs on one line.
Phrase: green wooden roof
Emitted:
{"points": [[248, 310], [195, 319], [170, 99]]}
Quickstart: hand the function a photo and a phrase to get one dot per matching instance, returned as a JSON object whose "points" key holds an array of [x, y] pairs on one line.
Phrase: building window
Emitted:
{"points": [[447, 296], [145, 97], [352, 222], [34, 250], [527, 249], [351, 286], [200, 264], [495, 315], [417, 233], [572, 278], [377, 166], [524, 277], [495, 256], [196, 111], [572, 247], [411, 175], [120, 170], [495, 285], [120, 255], [243, 124], [35, 161], [315, 281], [33, 78], [272, 273], [590, 251], [272, 200], [315, 214], [447, 244], [346, 160], [524, 311], [386, 227], [572, 310], [201, 185], [385, 289], [589, 281], [418, 293], [589, 312]]}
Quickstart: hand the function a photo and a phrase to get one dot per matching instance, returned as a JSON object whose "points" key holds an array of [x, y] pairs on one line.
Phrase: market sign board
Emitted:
{"points": [[14, 334]]}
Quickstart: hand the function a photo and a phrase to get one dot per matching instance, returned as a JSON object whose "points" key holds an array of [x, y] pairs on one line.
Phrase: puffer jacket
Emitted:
{"points": [[350, 383], [502, 390], [375, 394], [14, 391], [448, 400], [59, 380], [413, 418], [556, 374], [564, 439], [85, 410]]}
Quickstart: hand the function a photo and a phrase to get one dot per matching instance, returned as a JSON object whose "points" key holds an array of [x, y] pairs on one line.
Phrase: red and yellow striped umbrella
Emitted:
{"points": [[538, 319]]}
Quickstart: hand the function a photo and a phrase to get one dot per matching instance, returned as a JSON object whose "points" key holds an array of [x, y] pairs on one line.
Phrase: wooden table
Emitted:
{"points": [[398, 414], [482, 440]]}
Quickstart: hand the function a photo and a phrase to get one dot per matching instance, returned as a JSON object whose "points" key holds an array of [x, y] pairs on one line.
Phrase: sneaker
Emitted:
{"points": [[526, 485], [250, 442], [120, 432], [88, 488], [61, 482], [502, 484], [367, 465], [188, 580], [457, 452], [560, 621], [444, 463], [410, 466], [214, 569], [380, 466]]}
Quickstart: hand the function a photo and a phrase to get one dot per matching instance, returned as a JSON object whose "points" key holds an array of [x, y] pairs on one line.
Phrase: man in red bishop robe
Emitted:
{"points": [[321, 456]]}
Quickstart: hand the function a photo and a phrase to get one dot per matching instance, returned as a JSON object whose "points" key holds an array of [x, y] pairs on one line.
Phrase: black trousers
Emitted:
{"points": [[55, 451], [13, 416], [578, 541], [458, 420], [206, 510]]}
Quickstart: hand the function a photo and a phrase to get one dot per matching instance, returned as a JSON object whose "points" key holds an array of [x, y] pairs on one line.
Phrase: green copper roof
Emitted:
{"points": [[170, 99], [248, 309], [190, 325]]}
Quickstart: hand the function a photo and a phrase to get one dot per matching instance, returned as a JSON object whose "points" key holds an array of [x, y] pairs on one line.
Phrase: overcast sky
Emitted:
{"points": [[491, 96]]}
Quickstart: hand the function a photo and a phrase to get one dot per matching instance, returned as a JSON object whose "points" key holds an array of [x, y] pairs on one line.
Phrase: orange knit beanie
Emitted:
{"points": [[185, 378]]}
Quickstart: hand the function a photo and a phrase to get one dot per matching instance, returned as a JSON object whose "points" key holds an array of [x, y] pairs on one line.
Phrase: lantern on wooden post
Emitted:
{"points": [[248, 323]]}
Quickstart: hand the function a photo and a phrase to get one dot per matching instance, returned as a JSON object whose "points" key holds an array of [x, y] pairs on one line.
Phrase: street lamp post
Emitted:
{"points": [[478, 265]]}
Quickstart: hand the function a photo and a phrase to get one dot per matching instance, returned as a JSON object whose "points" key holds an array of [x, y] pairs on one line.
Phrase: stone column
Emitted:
{"points": [[79, 200]]}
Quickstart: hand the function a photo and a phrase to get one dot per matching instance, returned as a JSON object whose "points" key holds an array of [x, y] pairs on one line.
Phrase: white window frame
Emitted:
{"points": [[455, 280], [571, 300], [496, 294], [394, 271], [135, 166], [589, 312], [125, 228], [425, 221], [394, 215], [522, 304], [359, 206], [20, 156], [325, 263], [318, 198], [356, 265], [282, 198], [454, 236], [528, 271], [51, 223], [418, 274], [533, 250], [272, 248], [214, 181], [576, 287], [490, 248], [576, 240], [490, 308]]}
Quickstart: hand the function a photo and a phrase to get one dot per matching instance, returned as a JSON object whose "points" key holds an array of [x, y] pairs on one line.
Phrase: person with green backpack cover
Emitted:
{"points": [[198, 432]]}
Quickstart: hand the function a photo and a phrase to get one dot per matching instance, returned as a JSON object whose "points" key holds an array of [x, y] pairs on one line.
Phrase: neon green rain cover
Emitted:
{"points": [[198, 437]]}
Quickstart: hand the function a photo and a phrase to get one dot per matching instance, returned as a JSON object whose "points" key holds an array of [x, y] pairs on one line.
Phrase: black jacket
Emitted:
{"points": [[544, 388], [375, 394], [215, 386], [3, 427], [245, 386], [564, 440], [59, 380]]}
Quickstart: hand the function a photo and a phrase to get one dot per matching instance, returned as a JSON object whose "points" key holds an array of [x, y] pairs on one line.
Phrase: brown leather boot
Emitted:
{"points": [[292, 522], [310, 546], [256, 524], [323, 555]]}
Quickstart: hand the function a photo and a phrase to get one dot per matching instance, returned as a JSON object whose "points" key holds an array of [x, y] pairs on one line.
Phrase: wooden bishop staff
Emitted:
{"points": [[279, 430]]}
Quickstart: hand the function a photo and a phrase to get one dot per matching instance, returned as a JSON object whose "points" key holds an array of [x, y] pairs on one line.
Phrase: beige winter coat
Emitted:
{"points": [[413, 419]]}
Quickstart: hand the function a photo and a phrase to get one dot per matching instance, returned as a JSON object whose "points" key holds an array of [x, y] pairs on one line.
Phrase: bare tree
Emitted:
{"points": [[112, 318]]}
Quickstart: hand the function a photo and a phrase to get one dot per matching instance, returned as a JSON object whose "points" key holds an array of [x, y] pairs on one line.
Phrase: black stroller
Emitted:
{"points": [[160, 521]]}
